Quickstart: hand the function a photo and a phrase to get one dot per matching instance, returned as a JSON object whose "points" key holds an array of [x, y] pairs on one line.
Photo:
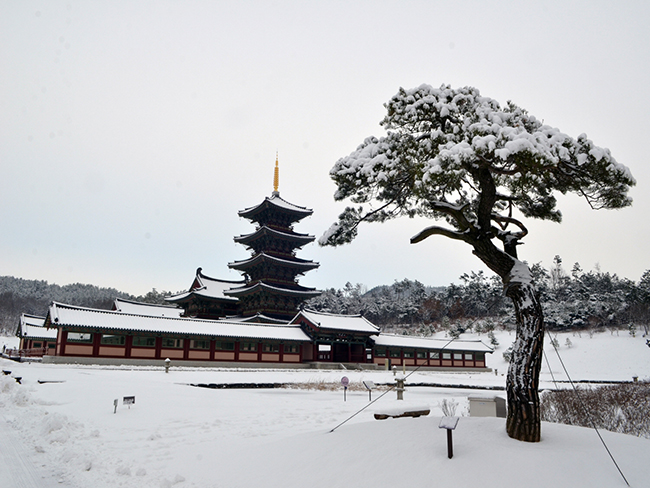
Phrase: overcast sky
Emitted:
{"points": [[131, 132]]}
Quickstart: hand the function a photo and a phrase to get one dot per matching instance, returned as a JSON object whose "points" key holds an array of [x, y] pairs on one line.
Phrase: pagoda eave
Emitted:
{"points": [[261, 258], [264, 231], [273, 290], [276, 204]]}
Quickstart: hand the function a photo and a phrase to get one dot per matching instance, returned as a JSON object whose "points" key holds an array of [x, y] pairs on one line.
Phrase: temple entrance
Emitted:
{"points": [[357, 353], [341, 353]]}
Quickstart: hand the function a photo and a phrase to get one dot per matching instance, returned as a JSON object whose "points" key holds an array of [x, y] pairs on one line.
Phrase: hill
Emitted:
{"points": [[18, 296]]}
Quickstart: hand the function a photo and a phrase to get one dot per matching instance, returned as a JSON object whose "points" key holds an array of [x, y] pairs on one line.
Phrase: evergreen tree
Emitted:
{"points": [[454, 155]]}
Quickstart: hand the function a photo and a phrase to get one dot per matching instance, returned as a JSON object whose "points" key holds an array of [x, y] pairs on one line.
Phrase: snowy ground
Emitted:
{"points": [[64, 432]]}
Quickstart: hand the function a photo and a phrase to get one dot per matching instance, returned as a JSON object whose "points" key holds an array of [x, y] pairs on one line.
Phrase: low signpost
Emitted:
{"points": [[345, 382], [450, 424], [370, 385], [128, 400]]}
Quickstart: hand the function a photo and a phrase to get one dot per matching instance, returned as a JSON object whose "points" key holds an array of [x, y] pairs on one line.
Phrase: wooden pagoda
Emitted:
{"points": [[271, 272]]}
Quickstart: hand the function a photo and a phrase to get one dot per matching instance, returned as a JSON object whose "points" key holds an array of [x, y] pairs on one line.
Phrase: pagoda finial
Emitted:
{"points": [[276, 175]]}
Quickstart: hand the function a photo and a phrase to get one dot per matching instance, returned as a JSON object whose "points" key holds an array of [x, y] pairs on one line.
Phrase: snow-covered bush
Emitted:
{"points": [[623, 408]]}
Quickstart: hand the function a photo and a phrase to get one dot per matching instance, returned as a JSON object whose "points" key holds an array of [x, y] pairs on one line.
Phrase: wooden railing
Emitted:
{"points": [[34, 352]]}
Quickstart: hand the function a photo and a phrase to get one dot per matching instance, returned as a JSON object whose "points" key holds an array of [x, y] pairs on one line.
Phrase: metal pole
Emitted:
{"points": [[450, 445]]}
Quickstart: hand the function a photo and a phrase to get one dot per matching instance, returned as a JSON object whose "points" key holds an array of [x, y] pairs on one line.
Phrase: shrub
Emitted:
{"points": [[623, 408]]}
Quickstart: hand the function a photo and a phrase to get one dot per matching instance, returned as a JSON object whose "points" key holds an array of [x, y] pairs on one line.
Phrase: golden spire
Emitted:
{"points": [[276, 175]]}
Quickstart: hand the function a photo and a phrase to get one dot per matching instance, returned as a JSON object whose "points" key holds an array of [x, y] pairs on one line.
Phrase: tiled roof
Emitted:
{"points": [[205, 286], [259, 257], [61, 315], [354, 323], [264, 230], [430, 343], [275, 201], [298, 290], [139, 308], [32, 327]]}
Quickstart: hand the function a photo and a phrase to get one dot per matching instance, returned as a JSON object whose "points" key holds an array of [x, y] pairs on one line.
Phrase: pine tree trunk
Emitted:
{"points": [[524, 422]]}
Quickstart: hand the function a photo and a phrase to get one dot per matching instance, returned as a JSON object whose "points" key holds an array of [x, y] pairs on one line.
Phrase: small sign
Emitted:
{"points": [[130, 400], [448, 423], [345, 381], [115, 405]]}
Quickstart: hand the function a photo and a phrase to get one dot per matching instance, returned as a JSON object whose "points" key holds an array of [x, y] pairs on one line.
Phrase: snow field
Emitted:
{"points": [[179, 435]]}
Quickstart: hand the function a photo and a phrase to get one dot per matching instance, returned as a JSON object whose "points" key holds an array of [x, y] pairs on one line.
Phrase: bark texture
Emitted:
{"points": [[524, 421]]}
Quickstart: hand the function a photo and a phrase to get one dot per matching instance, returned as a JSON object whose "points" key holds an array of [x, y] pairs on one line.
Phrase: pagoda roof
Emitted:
{"points": [[336, 322], [268, 231], [303, 264], [69, 316], [141, 308], [274, 202], [206, 287], [257, 318], [297, 290]]}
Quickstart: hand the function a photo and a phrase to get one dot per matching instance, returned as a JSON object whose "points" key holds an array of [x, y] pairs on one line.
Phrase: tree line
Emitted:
{"points": [[571, 300], [18, 296]]}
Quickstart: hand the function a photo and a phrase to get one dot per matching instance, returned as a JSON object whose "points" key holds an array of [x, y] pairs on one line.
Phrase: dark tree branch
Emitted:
{"points": [[441, 231]]}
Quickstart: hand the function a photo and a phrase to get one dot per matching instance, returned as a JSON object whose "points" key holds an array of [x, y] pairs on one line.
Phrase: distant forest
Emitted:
{"points": [[571, 300], [34, 297]]}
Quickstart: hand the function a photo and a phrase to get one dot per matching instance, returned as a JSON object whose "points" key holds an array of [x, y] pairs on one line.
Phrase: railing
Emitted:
{"points": [[35, 352]]}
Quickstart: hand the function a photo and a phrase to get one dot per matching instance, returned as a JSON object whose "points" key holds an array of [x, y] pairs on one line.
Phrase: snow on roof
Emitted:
{"points": [[34, 320], [61, 315], [296, 291], [256, 258], [257, 318], [208, 287], [276, 201], [429, 343], [32, 327], [323, 320], [37, 332], [140, 308], [264, 230]]}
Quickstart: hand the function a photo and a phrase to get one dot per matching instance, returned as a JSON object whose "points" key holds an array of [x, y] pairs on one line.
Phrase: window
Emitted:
{"points": [[468, 356], [38, 344], [113, 340], [80, 337], [142, 341], [434, 355], [479, 356], [224, 346], [395, 353], [271, 347], [290, 348], [173, 343], [324, 347], [199, 344], [380, 352], [422, 355], [446, 355], [408, 354], [248, 346], [458, 355]]}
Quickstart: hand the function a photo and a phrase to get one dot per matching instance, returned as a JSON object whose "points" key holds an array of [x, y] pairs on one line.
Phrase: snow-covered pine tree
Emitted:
{"points": [[457, 156]]}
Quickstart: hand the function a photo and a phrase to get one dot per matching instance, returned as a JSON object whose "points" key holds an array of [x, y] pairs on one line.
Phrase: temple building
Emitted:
{"points": [[271, 272], [205, 298], [251, 322], [270, 291]]}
